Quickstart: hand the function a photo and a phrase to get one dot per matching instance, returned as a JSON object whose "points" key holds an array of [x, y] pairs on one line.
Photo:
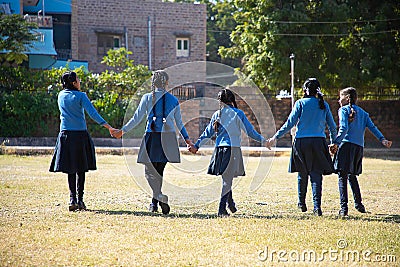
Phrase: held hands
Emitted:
{"points": [[333, 148], [270, 142], [387, 143], [117, 133], [191, 147]]}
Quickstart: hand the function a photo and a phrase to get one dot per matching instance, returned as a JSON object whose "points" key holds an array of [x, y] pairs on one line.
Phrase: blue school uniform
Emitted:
{"points": [[310, 154], [348, 159], [160, 144], [74, 151], [227, 157]]}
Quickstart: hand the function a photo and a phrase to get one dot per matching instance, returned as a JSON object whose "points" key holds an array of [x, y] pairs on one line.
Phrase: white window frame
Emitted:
{"points": [[182, 46]]}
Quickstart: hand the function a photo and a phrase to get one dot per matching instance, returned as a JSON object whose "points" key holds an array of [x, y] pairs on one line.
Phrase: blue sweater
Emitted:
{"points": [[232, 122], [172, 113], [72, 104], [310, 120], [353, 132]]}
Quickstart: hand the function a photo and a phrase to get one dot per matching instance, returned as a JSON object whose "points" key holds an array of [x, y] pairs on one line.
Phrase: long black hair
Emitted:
{"points": [[225, 97], [352, 95], [68, 79], [312, 87], [158, 80]]}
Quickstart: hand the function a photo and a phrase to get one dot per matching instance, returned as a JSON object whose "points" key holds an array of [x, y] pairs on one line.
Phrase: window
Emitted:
{"points": [[182, 47], [106, 42]]}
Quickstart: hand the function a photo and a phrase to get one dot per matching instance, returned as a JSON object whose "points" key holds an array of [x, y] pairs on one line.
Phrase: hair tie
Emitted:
{"points": [[319, 92]]}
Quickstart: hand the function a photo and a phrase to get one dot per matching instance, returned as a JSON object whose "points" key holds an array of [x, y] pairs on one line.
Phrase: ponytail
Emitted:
{"points": [[158, 80], [352, 94], [321, 101]]}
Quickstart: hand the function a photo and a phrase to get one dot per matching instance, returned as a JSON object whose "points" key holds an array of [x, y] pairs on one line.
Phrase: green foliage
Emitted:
{"points": [[28, 98], [342, 43], [14, 36]]}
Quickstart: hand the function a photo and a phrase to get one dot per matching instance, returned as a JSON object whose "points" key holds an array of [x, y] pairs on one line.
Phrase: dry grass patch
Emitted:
{"points": [[36, 228]]}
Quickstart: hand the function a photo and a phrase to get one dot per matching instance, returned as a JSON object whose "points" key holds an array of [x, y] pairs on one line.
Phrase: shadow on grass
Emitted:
{"points": [[393, 218]]}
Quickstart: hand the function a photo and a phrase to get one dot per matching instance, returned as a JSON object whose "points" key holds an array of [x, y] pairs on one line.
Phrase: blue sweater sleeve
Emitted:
{"points": [[331, 123], [90, 109], [138, 116], [374, 130], [179, 123], [343, 125], [291, 121], [248, 128], [208, 132]]}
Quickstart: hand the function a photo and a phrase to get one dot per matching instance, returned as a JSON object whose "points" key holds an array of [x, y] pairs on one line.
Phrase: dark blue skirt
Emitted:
{"points": [[310, 154], [228, 161], [349, 158], [74, 152], [159, 147]]}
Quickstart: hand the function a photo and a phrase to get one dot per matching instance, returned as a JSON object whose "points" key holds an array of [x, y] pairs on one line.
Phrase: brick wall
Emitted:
{"points": [[169, 20], [384, 113]]}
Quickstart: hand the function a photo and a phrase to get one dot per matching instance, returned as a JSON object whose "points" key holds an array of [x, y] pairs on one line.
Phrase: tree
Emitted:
{"points": [[339, 42], [15, 35]]}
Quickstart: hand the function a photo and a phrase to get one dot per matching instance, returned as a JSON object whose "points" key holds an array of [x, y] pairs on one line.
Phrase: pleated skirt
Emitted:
{"points": [[159, 147], [348, 158], [74, 152], [310, 154], [228, 161]]}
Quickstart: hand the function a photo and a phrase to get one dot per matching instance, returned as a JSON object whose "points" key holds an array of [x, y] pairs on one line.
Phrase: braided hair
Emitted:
{"points": [[351, 93], [312, 87], [68, 79], [225, 97], [158, 80]]}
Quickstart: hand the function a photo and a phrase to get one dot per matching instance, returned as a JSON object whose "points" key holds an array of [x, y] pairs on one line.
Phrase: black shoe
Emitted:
{"points": [[81, 205], [72, 205], [153, 207], [163, 200], [317, 212], [361, 208], [302, 207], [223, 213], [343, 212], [232, 208]]}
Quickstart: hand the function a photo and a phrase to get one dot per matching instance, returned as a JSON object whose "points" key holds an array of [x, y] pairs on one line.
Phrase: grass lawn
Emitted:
{"points": [[36, 228]]}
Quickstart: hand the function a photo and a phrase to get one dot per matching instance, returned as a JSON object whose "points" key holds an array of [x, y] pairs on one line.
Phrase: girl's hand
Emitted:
{"points": [[333, 149], [117, 133], [387, 143], [270, 142]]}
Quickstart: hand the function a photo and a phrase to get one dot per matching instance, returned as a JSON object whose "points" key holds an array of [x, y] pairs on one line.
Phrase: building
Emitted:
{"points": [[160, 34], [80, 32]]}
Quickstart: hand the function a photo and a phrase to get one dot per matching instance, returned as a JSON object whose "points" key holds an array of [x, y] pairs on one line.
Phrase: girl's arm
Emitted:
{"points": [[138, 116], [343, 125], [374, 130], [331, 123], [290, 122], [91, 110], [248, 128], [208, 132], [179, 123]]}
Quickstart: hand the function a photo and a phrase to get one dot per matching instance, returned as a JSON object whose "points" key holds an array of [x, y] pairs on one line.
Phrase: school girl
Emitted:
{"points": [[74, 152], [159, 144], [349, 144], [310, 155], [227, 123]]}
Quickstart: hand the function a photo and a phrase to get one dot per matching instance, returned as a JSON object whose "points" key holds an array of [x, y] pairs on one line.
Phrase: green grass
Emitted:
{"points": [[37, 230]]}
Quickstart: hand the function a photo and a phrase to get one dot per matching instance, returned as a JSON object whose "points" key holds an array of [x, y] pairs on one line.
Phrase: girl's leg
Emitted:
{"points": [[231, 203], [342, 183], [302, 183], [154, 174], [81, 188], [73, 204], [226, 188], [355, 187], [316, 183]]}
